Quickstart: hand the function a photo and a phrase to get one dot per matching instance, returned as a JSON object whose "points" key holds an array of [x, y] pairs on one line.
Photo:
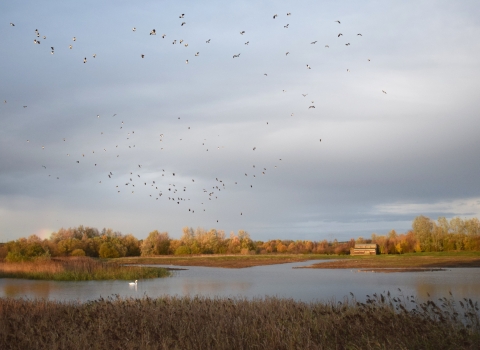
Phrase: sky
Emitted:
{"points": [[211, 128]]}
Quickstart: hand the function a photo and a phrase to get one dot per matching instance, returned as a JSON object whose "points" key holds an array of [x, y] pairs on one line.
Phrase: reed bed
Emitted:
{"points": [[77, 269], [382, 322]]}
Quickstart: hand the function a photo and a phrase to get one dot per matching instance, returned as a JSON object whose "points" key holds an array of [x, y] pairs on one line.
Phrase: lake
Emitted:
{"points": [[260, 281]]}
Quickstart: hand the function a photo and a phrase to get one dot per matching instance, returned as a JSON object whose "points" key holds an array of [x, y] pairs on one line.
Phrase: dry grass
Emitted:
{"points": [[201, 323], [417, 260], [399, 262], [77, 269], [227, 261]]}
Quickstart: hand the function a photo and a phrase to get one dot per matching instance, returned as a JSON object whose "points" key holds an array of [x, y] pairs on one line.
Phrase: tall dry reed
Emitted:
{"points": [[77, 269], [382, 322]]}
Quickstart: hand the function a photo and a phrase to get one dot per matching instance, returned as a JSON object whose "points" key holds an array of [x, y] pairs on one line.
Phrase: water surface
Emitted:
{"points": [[260, 281]]}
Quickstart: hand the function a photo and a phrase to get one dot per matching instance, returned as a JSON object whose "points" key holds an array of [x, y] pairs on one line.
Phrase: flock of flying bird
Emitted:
{"points": [[173, 190]]}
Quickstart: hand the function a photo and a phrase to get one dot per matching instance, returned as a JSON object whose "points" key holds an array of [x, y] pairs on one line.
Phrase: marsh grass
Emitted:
{"points": [[382, 322], [77, 269]]}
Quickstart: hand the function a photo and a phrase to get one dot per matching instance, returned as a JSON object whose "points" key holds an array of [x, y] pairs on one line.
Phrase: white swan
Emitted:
{"points": [[133, 283]]}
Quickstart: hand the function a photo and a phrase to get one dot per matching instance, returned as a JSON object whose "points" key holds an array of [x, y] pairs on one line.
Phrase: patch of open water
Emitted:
{"points": [[257, 282]]}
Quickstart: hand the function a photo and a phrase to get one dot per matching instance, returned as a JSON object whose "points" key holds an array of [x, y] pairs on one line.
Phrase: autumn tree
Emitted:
{"points": [[156, 244]]}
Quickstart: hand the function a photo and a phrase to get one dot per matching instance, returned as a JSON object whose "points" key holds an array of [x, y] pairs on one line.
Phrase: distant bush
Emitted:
{"points": [[78, 252], [183, 250]]}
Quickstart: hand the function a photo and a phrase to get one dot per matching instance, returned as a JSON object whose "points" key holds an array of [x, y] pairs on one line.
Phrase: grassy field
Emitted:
{"points": [[409, 262], [223, 323], [77, 269], [416, 260], [227, 261]]}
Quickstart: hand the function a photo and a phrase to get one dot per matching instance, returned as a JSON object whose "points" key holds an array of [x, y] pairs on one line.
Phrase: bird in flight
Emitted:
{"points": [[183, 23], [359, 34], [208, 41], [275, 16], [286, 26], [85, 60], [339, 35], [313, 42], [289, 13], [134, 29], [182, 15], [242, 32], [338, 22], [13, 25], [153, 32], [384, 91]]}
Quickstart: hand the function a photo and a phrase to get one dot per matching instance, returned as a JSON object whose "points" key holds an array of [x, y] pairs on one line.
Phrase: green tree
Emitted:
{"points": [[422, 228]]}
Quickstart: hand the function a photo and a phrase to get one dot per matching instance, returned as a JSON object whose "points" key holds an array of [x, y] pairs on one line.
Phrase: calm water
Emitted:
{"points": [[274, 280]]}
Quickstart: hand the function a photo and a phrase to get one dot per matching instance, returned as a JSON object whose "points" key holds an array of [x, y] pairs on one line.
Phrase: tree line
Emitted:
{"points": [[426, 235]]}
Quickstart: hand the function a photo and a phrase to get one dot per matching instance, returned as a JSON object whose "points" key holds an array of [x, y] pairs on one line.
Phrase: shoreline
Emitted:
{"points": [[437, 261]]}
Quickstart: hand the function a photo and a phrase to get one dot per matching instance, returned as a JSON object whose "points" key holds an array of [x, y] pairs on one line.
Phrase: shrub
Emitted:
{"points": [[78, 252]]}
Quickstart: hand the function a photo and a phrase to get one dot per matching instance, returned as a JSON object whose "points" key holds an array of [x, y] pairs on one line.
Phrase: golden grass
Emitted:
{"points": [[226, 261], [382, 322], [76, 269], [434, 260], [400, 262]]}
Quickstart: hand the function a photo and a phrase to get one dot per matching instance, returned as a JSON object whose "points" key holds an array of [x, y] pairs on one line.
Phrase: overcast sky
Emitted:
{"points": [[231, 142]]}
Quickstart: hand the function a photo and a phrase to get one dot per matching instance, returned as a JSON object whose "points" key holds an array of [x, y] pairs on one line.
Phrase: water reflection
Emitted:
{"points": [[274, 280]]}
